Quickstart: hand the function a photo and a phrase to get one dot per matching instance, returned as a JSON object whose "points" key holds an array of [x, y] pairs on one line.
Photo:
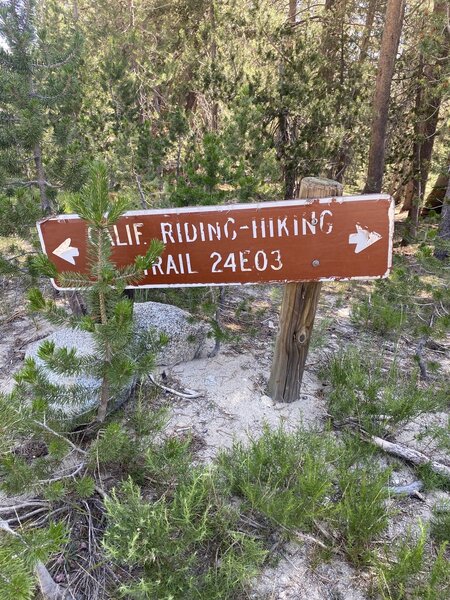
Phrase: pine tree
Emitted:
{"points": [[119, 355], [38, 98]]}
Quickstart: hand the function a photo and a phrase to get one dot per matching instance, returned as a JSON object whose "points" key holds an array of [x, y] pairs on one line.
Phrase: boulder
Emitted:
{"points": [[187, 339], [187, 336], [88, 386]]}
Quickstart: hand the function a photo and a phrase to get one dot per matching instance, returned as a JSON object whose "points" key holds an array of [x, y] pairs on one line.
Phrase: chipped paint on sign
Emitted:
{"points": [[347, 237]]}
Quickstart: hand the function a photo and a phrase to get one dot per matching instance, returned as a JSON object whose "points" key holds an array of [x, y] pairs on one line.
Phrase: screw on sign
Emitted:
{"points": [[295, 240]]}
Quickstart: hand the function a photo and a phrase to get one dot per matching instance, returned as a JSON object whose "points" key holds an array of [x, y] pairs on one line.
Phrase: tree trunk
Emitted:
{"points": [[344, 153], [285, 128], [443, 238], [435, 198], [388, 52], [416, 182], [215, 104], [292, 11], [283, 155], [408, 197], [368, 26], [330, 43], [41, 181], [428, 103]]}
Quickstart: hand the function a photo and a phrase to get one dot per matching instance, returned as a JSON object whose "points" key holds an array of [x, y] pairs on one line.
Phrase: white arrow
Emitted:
{"points": [[363, 238], [66, 251]]}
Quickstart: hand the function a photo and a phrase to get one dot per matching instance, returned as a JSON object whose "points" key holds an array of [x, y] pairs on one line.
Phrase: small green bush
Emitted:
{"points": [[19, 554], [440, 524], [300, 479], [285, 476], [361, 512], [409, 573], [169, 461], [377, 313], [187, 546], [414, 299], [374, 397]]}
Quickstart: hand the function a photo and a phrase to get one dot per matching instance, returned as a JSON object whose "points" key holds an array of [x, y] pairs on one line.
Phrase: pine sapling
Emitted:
{"points": [[120, 354]]}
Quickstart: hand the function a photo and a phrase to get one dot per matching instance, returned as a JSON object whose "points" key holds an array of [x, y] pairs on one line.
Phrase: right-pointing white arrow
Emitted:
{"points": [[363, 238], [66, 251]]}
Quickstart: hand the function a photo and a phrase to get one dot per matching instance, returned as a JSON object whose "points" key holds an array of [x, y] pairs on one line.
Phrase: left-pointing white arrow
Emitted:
{"points": [[66, 251]]}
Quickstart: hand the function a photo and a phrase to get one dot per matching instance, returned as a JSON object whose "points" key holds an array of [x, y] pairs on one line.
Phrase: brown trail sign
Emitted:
{"points": [[348, 237], [312, 240]]}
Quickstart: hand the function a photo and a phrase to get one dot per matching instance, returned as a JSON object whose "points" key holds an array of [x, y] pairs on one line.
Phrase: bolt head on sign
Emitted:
{"points": [[348, 237]]}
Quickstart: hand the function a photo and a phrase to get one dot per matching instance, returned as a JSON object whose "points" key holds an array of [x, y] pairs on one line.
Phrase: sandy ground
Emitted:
{"points": [[234, 405]]}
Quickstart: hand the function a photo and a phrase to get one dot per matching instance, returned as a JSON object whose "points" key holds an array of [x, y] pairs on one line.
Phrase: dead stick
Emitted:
{"points": [[410, 455], [189, 395]]}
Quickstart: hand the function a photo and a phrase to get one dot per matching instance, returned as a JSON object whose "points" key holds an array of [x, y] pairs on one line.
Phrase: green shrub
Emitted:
{"points": [[440, 524], [361, 513], [376, 398], [286, 476], [187, 546], [377, 313], [409, 573], [19, 553], [414, 299], [167, 462]]}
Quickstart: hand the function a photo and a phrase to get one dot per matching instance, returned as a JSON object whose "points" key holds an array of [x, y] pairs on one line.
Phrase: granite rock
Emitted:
{"points": [[187, 339], [187, 336]]}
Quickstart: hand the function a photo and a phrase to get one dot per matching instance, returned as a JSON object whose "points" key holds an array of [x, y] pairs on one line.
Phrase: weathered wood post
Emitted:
{"points": [[297, 313]]}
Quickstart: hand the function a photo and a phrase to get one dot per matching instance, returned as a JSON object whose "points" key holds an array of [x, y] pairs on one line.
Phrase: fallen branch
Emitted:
{"points": [[410, 489], [13, 508], [50, 590], [59, 477], [305, 537], [189, 395], [413, 456], [61, 437], [26, 516]]}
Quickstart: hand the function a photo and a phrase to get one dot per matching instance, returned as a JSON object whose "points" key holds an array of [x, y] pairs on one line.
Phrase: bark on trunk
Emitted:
{"points": [[368, 26], [416, 183], [435, 199], [344, 153], [409, 194], [428, 103], [292, 10], [286, 129], [443, 238], [215, 104], [388, 52]]}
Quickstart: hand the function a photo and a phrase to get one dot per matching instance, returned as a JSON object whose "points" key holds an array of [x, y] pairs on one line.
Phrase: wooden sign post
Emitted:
{"points": [[297, 313], [323, 236]]}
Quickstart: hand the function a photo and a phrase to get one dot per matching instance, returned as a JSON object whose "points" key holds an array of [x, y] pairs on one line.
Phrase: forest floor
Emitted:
{"points": [[234, 405]]}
